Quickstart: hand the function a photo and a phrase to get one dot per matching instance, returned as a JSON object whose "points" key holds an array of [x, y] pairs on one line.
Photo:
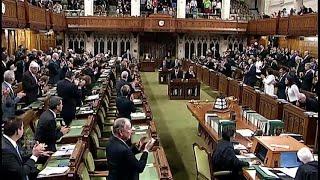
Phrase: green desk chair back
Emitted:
{"points": [[202, 158], [84, 174], [100, 151], [89, 161]]}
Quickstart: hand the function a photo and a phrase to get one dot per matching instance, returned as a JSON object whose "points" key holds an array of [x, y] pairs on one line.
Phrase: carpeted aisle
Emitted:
{"points": [[176, 126]]}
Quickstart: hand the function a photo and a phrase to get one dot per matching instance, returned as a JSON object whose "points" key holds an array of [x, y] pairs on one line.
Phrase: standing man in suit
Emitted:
{"points": [[54, 69], [307, 78], [30, 83], [122, 163], [47, 131], [176, 73], [190, 74], [127, 55], [250, 74], [22, 67], [9, 98], [14, 166], [165, 64], [176, 63], [281, 84], [69, 89], [124, 106], [123, 81]]}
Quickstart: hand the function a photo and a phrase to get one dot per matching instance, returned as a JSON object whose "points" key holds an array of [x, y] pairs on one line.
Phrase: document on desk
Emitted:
{"points": [[269, 173], [137, 101], [92, 97], [138, 115], [245, 132], [53, 170], [67, 152], [288, 171]]}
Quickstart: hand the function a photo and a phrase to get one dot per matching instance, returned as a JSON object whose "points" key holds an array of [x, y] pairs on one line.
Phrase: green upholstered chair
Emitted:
{"points": [[203, 164], [99, 151], [102, 141], [202, 158], [84, 174], [91, 165]]}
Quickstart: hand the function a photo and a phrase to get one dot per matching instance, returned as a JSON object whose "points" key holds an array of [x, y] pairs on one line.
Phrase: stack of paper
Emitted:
{"points": [[245, 132], [92, 97], [239, 147], [138, 115], [53, 170], [288, 171], [137, 101]]}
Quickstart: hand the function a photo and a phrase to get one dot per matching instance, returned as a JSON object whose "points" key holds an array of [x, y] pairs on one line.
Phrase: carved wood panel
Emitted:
{"points": [[223, 84], [214, 80], [250, 98], [199, 72], [9, 18], [235, 89], [303, 25], [206, 76], [269, 107], [283, 26], [36, 17]]}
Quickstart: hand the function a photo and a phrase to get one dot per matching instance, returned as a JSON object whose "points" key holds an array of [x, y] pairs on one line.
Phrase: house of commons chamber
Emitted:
{"points": [[159, 90]]}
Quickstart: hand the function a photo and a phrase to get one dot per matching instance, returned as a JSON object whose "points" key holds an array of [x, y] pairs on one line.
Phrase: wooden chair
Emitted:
{"points": [[84, 174], [92, 164], [203, 164]]}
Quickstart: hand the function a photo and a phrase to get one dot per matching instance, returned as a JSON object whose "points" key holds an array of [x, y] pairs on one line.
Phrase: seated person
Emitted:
{"points": [[166, 64], [310, 104], [224, 157], [122, 163], [190, 74], [47, 131], [176, 73], [309, 169], [124, 106]]}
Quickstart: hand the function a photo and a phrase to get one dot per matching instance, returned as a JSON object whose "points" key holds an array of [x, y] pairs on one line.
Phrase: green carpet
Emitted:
{"points": [[176, 126]]}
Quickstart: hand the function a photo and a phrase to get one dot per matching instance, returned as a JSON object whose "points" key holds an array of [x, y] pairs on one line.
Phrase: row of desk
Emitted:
{"points": [[295, 119], [82, 135]]}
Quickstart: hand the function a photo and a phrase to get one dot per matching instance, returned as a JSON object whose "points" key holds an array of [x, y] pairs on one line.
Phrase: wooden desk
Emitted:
{"points": [[164, 76], [223, 84], [270, 107], [214, 80], [198, 70], [199, 111], [235, 89], [184, 89], [74, 161], [206, 75], [251, 98], [296, 121], [147, 66]]}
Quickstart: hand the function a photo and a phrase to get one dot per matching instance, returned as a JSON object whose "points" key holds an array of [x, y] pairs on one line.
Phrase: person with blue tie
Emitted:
{"points": [[9, 98], [14, 166]]}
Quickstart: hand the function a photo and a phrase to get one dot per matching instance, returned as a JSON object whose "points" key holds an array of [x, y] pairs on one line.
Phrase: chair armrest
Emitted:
{"points": [[99, 174], [222, 173]]}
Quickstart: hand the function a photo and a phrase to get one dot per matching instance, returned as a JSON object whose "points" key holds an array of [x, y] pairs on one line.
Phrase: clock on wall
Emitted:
{"points": [[161, 23]]}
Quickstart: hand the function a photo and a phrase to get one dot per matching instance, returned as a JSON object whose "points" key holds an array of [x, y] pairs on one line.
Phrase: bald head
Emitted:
{"points": [[305, 155]]}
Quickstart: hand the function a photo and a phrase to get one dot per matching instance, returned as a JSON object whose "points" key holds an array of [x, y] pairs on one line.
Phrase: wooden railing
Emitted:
{"points": [[293, 25], [24, 15]]}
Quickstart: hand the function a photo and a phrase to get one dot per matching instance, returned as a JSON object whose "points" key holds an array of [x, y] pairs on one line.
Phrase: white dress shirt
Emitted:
{"points": [[292, 93]]}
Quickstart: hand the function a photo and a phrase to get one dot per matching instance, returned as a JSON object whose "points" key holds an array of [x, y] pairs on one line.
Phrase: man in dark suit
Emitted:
{"points": [[307, 78], [47, 131], [122, 163], [9, 98], [190, 74], [176, 73], [14, 166], [123, 81], [250, 74], [165, 64], [309, 103], [22, 67], [69, 89], [127, 55], [281, 84], [54, 69], [30, 83], [309, 169], [124, 106]]}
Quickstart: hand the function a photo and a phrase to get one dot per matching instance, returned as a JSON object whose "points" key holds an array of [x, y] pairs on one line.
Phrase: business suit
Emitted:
{"points": [[189, 75], [282, 87], [70, 95], [125, 107], [21, 69], [176, 75], [120, 83], [13, 166], [122, 163], [30, 87], [307, 80], [8, 102], [54, 72], [224, 159], [250, 77], [165, 64], [46, 131], [308, 171]]}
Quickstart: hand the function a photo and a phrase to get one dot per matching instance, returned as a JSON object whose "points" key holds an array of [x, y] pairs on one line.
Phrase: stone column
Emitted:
{"points": [[135, 7], [90, 43], [88, 7], [223, 46], [181, 50], [181, 8], [134, 49], [225, 9]]}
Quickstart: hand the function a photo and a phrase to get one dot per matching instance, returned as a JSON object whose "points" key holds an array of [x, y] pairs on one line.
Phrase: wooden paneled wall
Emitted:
{"points": [[300, 44]]}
